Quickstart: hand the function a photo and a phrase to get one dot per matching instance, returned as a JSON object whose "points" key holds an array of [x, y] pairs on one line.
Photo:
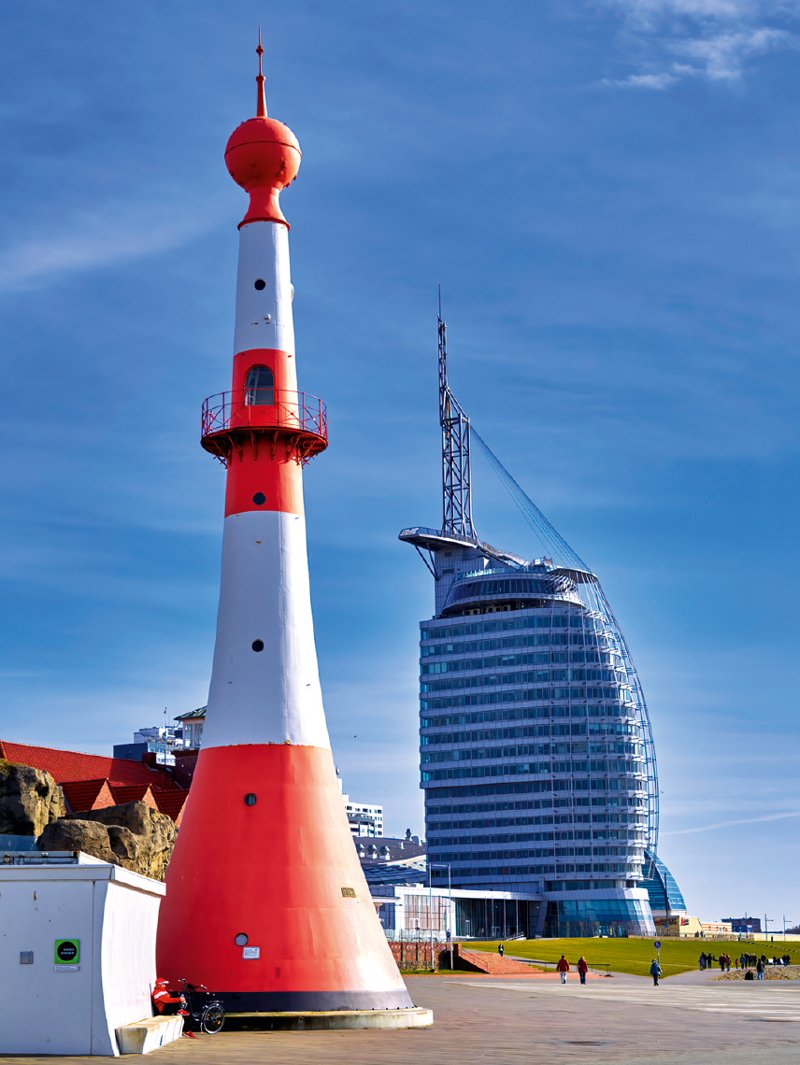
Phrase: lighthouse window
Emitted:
{"points": [[260, 284], [259, 386]]}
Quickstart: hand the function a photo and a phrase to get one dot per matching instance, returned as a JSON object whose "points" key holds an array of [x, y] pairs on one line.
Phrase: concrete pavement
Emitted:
{"points": [[511, 1021]]}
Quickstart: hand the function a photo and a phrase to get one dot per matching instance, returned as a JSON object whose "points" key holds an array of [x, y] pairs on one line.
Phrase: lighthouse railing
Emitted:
{"points": [[288, 410]]}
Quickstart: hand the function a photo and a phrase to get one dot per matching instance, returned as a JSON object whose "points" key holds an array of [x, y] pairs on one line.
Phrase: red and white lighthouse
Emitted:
{"points": [[266, 901]]}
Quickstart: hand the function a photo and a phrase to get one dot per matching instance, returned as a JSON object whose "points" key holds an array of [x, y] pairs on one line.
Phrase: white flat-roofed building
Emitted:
{"points": [[366, 819]]}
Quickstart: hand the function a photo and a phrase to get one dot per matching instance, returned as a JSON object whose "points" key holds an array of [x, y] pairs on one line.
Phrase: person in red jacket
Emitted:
{"points": [[164, 1002], [583, 968], [563, 968]]}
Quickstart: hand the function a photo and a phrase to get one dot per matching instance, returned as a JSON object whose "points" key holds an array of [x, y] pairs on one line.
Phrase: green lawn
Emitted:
{"points": [[635, 955]]}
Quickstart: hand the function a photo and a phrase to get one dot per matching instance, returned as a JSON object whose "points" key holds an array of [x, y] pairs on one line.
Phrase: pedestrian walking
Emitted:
{"points": [[703, 961], [655, 972], [760, 969], [583, 968], [563, 968], [501, 949]]}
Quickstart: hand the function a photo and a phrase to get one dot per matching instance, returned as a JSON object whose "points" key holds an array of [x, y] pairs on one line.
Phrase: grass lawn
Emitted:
{"points": [[635, 955]]}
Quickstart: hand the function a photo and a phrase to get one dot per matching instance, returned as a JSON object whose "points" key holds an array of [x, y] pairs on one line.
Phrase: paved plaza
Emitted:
{"points": [[624, 1019]]}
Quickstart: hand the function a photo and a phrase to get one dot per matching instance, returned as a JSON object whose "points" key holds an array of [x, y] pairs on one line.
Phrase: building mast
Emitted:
{"points": [[456, 469]]}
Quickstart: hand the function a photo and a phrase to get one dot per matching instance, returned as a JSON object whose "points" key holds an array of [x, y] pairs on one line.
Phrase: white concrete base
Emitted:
{"points": [[149, 1034], [300, 1021]]}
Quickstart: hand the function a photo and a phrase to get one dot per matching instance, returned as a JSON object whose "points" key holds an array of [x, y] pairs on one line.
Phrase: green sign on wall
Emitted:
{"points": [[68, 951]]}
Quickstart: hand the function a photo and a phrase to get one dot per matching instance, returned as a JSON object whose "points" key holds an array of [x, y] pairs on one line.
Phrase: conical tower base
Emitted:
{"points": [[266, 902]]}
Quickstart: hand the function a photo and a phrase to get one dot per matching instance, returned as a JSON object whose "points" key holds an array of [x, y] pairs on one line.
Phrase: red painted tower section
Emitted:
{"points": [[266, 901]]}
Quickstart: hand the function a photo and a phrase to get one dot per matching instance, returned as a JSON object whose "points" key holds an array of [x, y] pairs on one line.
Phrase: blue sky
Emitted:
{"points": [[608, 193]]}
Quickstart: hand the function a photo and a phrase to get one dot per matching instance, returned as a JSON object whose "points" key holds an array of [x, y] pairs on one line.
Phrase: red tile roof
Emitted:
{"points": [[65, 766], [171, 803], [134, 793], [87, 795]]}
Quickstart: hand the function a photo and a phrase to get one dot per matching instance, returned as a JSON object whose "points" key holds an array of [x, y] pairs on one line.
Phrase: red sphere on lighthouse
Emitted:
{"points": [[266, 901]]}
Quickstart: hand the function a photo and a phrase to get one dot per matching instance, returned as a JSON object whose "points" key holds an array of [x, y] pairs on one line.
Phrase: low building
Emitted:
{"points": [[679, 925], [744, 925], [409, 908], [192, 726], [366, 819], [717, 928]]}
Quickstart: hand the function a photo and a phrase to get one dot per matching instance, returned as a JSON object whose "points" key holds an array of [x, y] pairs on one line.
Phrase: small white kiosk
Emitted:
{"points": [[77, 954]]}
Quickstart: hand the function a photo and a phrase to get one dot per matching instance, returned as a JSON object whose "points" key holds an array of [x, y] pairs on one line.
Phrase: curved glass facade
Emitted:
{"points": [[598, 917], [662, 889]]}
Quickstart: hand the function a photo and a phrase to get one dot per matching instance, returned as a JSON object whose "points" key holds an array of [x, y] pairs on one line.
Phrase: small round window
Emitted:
{"points": [[260, 284], [241, 940], [250, 799]]}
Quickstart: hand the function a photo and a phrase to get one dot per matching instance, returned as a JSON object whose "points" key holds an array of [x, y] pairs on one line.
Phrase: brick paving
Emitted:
{"points": [[487, 1020]]}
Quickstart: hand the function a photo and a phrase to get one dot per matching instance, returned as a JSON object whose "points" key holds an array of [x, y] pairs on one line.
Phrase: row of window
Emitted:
{"points": [[536, 852], [491, 807], [526, 787], [635, 749], [547, 819], [539, 676], [555, 639], [526, 695], [563, 869], [535, 621], [504, 822], [595, 728], [514, 585], [531, 658], [536, 837], [530, 768], [481, 754]]}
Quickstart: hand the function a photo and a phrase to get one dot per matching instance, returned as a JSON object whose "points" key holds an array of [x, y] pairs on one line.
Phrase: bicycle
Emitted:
{"points": [[209, 1014]]}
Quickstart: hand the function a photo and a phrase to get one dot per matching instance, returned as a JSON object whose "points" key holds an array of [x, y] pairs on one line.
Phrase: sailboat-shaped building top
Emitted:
{"points": [[537, 759]]}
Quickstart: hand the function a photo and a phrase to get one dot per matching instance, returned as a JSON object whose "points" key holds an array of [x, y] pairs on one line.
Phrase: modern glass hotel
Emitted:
{"points": [[536, 755]]}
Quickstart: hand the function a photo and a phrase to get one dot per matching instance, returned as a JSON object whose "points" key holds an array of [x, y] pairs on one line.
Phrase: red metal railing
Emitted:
{"points": [[289, 410]]}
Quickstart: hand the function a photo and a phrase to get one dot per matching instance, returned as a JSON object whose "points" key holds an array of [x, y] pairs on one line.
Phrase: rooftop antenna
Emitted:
{"points": [[456, 469]]}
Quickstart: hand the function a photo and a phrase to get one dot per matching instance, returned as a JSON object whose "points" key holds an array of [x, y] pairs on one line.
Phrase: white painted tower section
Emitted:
{"points": [[271, 696], [264, 318]]}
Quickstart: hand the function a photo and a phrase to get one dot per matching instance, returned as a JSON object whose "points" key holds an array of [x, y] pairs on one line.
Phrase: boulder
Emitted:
{"points": [[67, 834], [132, 835], [29, 800]]}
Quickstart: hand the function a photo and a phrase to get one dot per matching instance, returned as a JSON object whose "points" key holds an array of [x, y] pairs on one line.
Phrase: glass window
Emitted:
{"points": [[259, 387]]}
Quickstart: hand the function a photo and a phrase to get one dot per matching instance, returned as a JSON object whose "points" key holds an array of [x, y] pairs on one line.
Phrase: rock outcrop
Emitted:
{"points": [[133, 836], [29, 800]]}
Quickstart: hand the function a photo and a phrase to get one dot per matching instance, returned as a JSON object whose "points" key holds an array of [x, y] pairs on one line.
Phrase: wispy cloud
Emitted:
{"points": [[670, 40], [730, 824], [112, 233]]}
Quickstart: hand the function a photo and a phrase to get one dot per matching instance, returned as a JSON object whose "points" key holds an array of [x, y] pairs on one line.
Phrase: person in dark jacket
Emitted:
{"points": [[760, 968], [501, 949], [655, 972], [583, 968]]}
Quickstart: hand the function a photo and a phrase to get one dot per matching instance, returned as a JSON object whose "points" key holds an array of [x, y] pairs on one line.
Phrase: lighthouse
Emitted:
{"points": [[266, 902]]}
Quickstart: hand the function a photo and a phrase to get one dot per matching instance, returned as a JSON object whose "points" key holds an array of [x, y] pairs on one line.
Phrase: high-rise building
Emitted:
{"points": [[537, 760]]}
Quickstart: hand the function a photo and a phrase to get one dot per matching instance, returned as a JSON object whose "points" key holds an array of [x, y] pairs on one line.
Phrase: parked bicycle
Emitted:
{"points": [[205, 1011]]}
